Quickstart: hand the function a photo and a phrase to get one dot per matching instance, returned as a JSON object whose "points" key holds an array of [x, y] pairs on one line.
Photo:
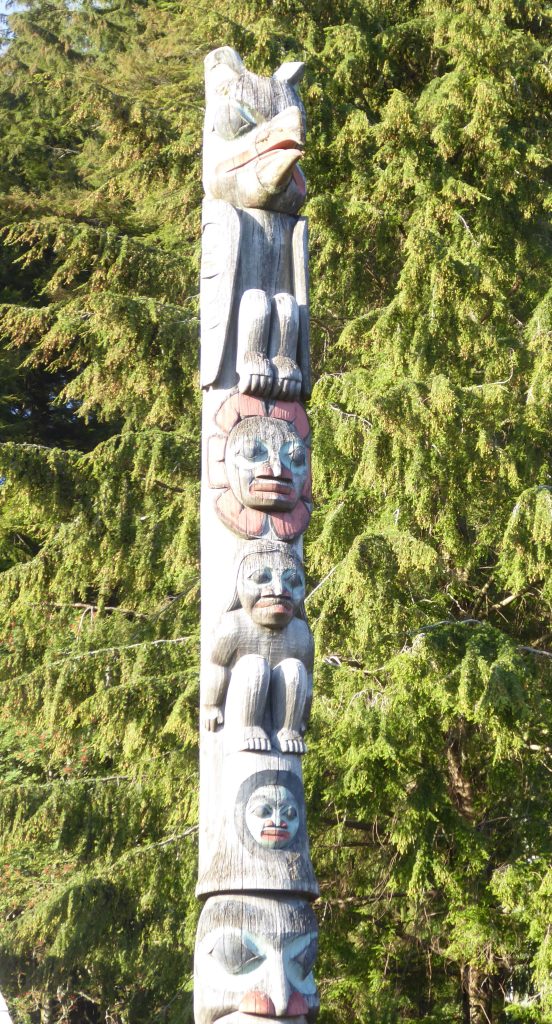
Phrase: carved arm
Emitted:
{"points": [[218, 675]]}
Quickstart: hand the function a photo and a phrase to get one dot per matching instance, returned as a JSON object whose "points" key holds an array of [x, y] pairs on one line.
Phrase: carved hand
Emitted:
{"points": [[211, 717]]}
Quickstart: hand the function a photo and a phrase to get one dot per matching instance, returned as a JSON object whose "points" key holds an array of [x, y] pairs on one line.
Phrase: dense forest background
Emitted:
{"points": [[430, 770]]}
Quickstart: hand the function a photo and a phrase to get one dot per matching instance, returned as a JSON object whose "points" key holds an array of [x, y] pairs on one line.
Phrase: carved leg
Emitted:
{"points": [[282, 347], [245, 704], [253, 366], [288, 690]]}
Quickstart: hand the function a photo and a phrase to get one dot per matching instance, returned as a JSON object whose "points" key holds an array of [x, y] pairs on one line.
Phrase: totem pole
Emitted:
{"points": [[257, 934]]}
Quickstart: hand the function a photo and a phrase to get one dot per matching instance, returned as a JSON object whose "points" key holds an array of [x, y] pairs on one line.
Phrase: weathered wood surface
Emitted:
{"points": [[254, 960], [255, 323], [257, 936], [256, 840]]}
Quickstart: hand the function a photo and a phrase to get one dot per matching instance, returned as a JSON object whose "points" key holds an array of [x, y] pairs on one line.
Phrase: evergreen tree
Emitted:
{"points": [[429, 773]]}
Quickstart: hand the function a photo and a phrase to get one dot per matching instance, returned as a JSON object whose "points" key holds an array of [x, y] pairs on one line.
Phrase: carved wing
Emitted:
{"points": [[301, 285], [219, 263]]}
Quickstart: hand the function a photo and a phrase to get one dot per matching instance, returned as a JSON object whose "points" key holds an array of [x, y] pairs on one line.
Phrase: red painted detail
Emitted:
{"points": [[294, 413], [251, 406], [253, 522], [287, 525], [229, 413], [259, 1003], [297, 1005], [306, 493]]}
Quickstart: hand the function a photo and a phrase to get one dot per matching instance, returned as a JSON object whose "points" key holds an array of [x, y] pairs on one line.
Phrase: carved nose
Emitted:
{"points": [[259, 1003], [276, 466], [297, 1005]]}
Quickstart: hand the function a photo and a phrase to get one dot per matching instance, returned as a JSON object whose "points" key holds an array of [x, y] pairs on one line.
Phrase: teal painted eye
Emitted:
{"points": [[235, 956], [305, 960]]}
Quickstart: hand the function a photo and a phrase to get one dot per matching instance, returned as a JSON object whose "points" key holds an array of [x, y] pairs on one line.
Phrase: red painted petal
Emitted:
{"points": [[251, 406], [294, 413], [301, 422], [284, 410], [229, 413], [306, 493], [251, 522], [288, 525], [229, 509], [248, 522]]}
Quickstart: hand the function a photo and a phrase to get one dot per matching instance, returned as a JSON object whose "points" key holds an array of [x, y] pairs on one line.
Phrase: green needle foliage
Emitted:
{"points": [[429, 773]]}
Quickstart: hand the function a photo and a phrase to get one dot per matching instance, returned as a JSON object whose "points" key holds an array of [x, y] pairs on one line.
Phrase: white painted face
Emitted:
{"points": [[266, 462], [254, 961], [271, 586], [272, 816]]}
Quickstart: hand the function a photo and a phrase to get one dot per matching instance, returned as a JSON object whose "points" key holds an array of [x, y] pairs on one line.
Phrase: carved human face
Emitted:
{"points": [[271, 586], [253, 962], [267, 463], [272, 816]]}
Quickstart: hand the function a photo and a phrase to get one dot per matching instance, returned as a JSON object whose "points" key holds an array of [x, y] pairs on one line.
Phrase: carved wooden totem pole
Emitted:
{"points": [[257, 934]]}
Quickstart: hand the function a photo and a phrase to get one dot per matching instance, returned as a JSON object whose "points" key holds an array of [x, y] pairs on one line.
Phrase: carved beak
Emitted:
{"points": [[276, 146]]}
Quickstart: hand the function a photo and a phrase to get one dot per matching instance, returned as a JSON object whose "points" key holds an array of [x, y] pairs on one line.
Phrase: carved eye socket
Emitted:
{"points": [[305, 961], [263, 811], [298, 455], [293, 579], [254, 449], [289, 812], [235, 956], [233, 119], [261, 576]]}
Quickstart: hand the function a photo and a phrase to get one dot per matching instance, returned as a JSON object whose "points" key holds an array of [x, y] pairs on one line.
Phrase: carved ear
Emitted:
{"points": [[292, 72], [221, 67]]}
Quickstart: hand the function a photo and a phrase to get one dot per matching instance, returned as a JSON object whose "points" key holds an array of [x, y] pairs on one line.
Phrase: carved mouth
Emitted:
{"points": [[269, 485], [275, 602], [292, 146], [275, 832]]}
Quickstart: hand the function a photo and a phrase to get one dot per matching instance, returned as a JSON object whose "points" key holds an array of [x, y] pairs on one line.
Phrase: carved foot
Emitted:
{"points": [[254, 738], [256, 375], [287, 379], [290, 742]]}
